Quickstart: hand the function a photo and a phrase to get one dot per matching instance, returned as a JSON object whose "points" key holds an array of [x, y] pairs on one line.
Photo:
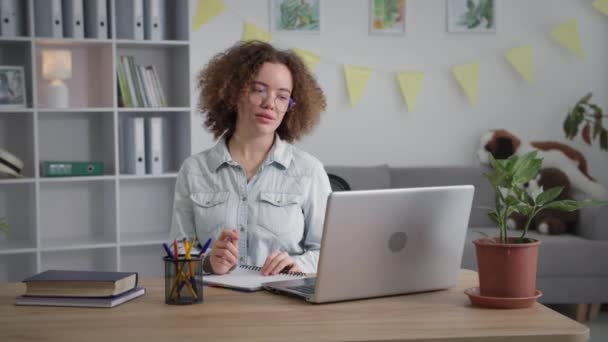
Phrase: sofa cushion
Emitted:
{"points": [[559, 255], [363, 177], [405, 177]]}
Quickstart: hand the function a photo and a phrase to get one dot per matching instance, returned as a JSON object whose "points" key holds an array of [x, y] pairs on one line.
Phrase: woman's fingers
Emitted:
{"points": [[285, 262], [277, 258], [269, 259]]}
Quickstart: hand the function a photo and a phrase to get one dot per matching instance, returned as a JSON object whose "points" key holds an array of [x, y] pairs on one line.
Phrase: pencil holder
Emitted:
{"points": [[183, 280]]}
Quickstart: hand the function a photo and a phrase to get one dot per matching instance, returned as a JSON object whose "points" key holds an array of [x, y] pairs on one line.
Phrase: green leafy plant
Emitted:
{"points": [[590, 116], [508, 179], [476, 13], [3, 225]]}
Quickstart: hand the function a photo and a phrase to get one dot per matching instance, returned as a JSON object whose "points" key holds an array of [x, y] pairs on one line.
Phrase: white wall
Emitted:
{"points": [[444, 129]]}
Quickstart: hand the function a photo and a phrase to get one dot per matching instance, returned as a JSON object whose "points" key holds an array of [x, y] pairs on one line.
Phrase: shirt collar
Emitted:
{"points": [[281, 153]]}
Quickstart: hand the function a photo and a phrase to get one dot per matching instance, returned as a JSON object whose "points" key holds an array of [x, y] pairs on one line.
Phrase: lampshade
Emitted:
{"points": [[56, 64]]}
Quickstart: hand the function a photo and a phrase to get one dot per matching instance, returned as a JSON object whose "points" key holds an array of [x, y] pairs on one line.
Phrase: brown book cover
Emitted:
{"points": [[66, 283]]}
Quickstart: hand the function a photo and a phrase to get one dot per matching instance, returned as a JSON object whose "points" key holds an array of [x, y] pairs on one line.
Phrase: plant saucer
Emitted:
{"points": [[500, 302]]}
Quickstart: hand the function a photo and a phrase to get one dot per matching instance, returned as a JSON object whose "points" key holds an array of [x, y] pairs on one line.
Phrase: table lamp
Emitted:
{"points": [[56, 67]]}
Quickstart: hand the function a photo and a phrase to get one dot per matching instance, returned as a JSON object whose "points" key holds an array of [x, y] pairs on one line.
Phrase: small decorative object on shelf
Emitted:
{"points": [[12, 87], [57, 67], [590, 116], [10, 165], [71, 168]]}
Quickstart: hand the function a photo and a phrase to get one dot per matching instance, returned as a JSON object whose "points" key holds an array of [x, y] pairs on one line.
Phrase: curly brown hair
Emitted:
{"points": [[228, 74]]}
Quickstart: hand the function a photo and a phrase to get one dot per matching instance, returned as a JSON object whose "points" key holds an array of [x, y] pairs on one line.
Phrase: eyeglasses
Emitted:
{"points": [[258, 94]]}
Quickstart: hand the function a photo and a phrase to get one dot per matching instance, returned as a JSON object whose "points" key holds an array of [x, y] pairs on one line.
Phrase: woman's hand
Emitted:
{"points": [[279, 261], [224, 252]]}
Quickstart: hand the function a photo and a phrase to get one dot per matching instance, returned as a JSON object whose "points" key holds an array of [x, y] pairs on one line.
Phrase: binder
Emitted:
{"points": [[134, 146], [71, 168], [154, 18], [130, 22], [49, 19], [73, 19], [154, 145], [11, 14], [96, 19]]}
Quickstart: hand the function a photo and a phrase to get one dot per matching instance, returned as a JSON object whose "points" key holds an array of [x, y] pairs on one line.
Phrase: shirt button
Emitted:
{"points": [[242, 229], [244, 198], [242, 259]]}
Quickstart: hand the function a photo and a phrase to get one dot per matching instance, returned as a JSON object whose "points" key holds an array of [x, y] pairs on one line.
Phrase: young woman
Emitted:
{"points": [[260, 199]]}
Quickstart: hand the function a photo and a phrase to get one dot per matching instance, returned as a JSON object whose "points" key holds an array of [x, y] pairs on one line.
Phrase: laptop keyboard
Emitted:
{"points": [[308, 287]]}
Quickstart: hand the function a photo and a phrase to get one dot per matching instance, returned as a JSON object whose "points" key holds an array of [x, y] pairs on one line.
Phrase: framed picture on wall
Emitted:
{"points": [[387, 17], [471, 16], [12, 87], [295, 16]]}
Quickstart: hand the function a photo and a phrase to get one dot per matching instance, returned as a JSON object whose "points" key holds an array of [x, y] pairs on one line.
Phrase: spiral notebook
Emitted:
{"points": [[247, 278]]}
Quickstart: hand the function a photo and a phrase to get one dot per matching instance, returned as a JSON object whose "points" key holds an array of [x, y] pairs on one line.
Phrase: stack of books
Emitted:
{"points": [[138, 85], [80, 288]]}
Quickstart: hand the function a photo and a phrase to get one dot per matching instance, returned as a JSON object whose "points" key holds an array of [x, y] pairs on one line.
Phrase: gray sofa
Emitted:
{"points": [[572, 269]]}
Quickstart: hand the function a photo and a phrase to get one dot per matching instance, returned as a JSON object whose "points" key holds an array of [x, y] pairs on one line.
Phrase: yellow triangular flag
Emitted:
{"points": [[467, 76], [205, 11], [310, 59], [252, 32], [521, 59], [601, 5], [410, 83], [356, 79], [567, 36]]}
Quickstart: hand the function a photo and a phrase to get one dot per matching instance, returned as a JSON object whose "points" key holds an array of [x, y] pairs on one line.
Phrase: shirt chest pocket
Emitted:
{"points": [[281, 213], [210, 209]]}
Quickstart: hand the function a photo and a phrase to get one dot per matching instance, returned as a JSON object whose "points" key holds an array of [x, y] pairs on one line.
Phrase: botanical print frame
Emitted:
{"points": [[295, 16], [12, 87], [387, 17], [471, 16]]}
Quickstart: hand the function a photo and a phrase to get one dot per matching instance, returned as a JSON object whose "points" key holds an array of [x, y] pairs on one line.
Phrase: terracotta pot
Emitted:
{"points": [[507, 269]]}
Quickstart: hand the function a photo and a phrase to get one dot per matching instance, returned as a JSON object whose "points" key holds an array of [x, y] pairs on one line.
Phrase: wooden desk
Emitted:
{"points": [[234, 316]]}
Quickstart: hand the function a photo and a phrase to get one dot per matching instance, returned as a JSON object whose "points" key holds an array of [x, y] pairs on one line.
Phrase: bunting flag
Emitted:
{"points": [[521, 59], [205, 11], [410, 83], [567, 36], [356, 79], [310, 59], [252, 32], [601, 5], [467, 76]]}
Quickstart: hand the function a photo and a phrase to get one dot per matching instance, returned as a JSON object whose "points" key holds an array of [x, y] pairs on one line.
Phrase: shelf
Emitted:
{"points": [[17, 137], [17, 246], [72, 42], [152, 109], [76, 179], [126, 43], [16, 110], [77, 136], [18, 206], [171, 175], [107, 110], [15, 39], [77, 214], [99, 259], [17, 181], [74, 244], [144, 239]]}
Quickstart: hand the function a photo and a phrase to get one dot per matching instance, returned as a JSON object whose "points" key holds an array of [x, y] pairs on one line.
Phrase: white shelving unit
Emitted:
{"points": [[116, 221]]}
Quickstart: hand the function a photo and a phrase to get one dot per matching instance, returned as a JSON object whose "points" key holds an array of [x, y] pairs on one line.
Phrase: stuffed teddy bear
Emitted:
{"points": [[548, 221]]}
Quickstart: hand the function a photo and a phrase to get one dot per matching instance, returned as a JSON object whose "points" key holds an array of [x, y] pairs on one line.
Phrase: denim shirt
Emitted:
{"points": [[281, 208]]}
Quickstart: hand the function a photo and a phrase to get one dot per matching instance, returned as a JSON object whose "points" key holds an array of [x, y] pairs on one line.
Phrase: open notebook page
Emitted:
{"points": [[247, 278]]}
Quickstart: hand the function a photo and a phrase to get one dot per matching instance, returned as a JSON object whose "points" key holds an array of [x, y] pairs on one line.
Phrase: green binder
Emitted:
{"points": [[71, 168]]}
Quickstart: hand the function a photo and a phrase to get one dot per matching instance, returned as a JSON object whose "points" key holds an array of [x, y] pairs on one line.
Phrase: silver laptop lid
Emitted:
{"points": [[394, 241]]}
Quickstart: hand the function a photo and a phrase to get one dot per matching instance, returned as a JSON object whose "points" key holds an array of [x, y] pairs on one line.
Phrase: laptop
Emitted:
{"points": [[387, 242]]}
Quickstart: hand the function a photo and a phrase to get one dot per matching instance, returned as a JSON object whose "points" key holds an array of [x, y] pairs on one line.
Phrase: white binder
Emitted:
{"points": [[134, 146], [130, 21], [154, 145], [49, 19], [11, 15], [96, 19], [155, 19], [73, 18]]}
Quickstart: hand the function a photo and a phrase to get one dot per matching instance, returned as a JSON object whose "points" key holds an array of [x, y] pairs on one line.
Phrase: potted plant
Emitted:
{"points": [[590, 116], [507, 265], [3, 225]]}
